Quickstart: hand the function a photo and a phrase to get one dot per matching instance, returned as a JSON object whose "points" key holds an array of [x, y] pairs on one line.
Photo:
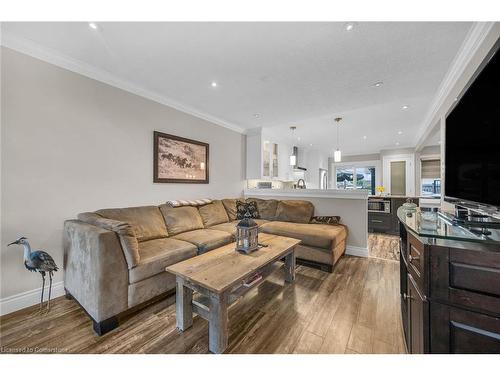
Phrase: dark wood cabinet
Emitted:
{"points": [[450, 295], [380, 222], [456, 330], [387, 222], [416, 310]]}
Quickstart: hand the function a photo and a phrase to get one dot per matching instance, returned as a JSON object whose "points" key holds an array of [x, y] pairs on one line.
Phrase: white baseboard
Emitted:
{"points": [[357, 251], [29, 298]]}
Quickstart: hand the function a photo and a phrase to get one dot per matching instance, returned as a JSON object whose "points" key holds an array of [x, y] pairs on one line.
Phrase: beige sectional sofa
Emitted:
{"points": [[115, 259]]}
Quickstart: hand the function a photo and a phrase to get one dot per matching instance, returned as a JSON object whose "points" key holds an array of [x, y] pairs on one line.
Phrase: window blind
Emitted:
{"points": [[431, 169]]}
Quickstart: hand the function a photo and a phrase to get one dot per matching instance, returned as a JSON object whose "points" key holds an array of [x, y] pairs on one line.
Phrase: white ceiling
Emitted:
{"points": [[301, 74]]}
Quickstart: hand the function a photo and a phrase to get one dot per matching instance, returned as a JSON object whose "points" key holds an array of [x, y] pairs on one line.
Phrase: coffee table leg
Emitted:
{"points": [[217, 324], [290, 267], [183, 306]]}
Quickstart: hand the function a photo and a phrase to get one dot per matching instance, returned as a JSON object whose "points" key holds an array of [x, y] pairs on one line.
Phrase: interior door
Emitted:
{"points": [[398, 177]]}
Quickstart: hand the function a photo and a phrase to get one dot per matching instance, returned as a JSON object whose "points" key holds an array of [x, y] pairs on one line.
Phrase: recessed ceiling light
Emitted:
{"points": [[213, 84], [257, 115], [400, 132], [397, 143], [350, 26], [455, 99], [378, 84], [93, 25], [364, 137], [310, 144], [405, 107]]}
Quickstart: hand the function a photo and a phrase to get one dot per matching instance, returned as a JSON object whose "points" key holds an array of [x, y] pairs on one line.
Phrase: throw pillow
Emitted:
{"points": [[243, 207], [330, 220]]}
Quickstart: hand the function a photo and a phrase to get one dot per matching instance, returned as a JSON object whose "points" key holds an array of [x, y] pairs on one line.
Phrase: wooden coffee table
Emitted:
{"points": [[220, 277]]}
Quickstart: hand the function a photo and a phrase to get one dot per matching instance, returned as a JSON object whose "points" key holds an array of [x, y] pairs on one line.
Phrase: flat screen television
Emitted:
{"points": [[472, 144]]}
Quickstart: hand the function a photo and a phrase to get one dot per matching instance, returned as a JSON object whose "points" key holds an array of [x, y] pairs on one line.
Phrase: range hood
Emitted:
{"points": [[295, 154]]}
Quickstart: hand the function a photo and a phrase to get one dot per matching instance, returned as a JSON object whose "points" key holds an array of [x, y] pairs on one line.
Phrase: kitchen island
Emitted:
{"points": [[350, 205]]}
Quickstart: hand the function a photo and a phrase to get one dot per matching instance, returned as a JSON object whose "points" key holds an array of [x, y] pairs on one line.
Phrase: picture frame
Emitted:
{"points": [[179, 160]]}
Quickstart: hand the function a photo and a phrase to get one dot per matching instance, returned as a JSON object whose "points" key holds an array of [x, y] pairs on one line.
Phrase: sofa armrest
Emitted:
{"points": [[125, 232], [96, 272]]}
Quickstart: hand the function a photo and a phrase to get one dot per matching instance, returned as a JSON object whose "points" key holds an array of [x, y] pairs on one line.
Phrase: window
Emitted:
{"points": [[355, 178], [430, 180]]}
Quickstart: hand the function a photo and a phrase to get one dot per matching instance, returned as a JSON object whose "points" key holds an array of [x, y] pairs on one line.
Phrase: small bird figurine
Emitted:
{"points": [[38, 261]]}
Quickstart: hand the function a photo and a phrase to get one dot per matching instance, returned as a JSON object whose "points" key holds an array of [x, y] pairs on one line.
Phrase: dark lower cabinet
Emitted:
{"points": [[450, 295], [387, 222], [454, 330], [380, 222], [416, 312]]}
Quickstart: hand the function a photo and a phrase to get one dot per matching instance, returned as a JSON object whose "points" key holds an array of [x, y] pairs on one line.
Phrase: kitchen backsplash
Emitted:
{"points": [[269, 184]]}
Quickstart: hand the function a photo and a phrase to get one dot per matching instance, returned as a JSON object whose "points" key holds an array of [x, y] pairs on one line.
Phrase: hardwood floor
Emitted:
{"points": [[353, 310]]}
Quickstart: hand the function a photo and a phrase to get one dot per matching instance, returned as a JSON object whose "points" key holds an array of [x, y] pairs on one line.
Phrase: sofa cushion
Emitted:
{"points": [[266, 207], [205, 239], [260, 221], [231, 226], [213, 214], [181, 219], [158, 254], [227, 227], [147, 221], [317, 235], [125, 232], [230, 206], [295, 211]]}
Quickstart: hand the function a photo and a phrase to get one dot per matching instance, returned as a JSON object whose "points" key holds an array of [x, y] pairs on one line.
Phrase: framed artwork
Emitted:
{"points": [[179, 159]]}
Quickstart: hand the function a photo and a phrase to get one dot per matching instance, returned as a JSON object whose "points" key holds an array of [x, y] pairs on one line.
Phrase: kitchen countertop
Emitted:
{"points": [[312, 193], [403, 196]]}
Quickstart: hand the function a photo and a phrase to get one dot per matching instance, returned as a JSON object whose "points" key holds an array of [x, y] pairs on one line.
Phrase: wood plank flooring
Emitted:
{"points": [[353, 310]]}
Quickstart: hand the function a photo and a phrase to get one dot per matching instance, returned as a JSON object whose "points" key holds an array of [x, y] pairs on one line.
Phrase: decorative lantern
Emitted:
{"points": [[247, 233]]}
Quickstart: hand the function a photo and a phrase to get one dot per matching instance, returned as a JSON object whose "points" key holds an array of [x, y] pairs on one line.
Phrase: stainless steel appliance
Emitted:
{"points": [[379, 205]]}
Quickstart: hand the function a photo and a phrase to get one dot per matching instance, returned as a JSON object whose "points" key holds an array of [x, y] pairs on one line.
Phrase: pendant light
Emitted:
{"points": [[337, 155], [293, 157]]}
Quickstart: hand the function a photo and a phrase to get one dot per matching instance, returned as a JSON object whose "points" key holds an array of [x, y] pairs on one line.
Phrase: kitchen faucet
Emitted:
{"points": [[299, 186]]}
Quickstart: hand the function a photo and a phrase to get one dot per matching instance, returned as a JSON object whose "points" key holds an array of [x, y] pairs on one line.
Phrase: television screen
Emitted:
{"points": [[472, 145]]}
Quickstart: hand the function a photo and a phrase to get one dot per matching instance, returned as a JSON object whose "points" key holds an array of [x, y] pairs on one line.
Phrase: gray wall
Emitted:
{"points": [[71, 144]]}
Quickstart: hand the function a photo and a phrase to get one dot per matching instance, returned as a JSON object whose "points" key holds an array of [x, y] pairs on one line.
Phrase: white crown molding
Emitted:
{"points": [[29, 298], [54, 57], [474, 39], [357, 251]]}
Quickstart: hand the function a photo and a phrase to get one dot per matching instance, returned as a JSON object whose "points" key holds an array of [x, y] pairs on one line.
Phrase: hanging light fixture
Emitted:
{"points": [[337, 155], [293, 157]]}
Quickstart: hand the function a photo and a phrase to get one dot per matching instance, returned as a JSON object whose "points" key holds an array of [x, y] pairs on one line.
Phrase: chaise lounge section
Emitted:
{"points": [[115, 259]]}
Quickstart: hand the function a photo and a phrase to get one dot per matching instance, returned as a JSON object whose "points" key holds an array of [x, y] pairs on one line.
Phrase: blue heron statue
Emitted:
{"points": [[38, 261]]}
